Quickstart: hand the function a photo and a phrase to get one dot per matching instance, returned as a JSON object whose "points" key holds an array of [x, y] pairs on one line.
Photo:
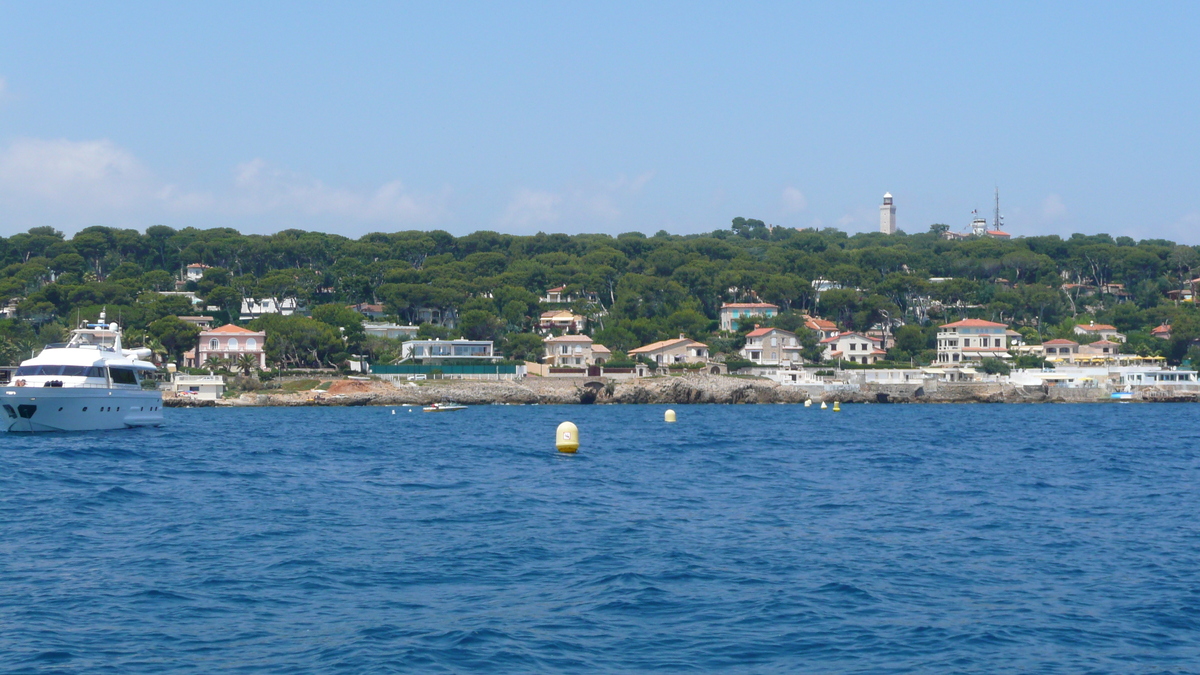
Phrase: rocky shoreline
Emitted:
{"points": [[685, 389]]}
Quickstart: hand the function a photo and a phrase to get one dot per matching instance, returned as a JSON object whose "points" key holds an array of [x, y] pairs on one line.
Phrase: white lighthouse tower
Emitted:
{"points": [[887, 215]]}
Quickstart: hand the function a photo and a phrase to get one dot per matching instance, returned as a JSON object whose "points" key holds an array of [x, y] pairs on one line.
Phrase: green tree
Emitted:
{"points": [[176, 335], [524, 347]]}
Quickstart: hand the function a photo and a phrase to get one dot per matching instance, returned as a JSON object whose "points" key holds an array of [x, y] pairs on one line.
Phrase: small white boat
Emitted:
{"points": [[444, 407]]}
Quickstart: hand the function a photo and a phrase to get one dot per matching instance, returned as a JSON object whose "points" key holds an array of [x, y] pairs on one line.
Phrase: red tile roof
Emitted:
{"points": [[1097, 326], [231, 329], [820, 324], [1164, 328], [839, 336], [663, 344], [759, 332], [1060, 341], [569, 338], [973, 323]]}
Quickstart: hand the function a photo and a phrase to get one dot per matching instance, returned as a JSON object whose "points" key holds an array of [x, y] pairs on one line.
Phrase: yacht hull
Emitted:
{"points": [[28, 409]]}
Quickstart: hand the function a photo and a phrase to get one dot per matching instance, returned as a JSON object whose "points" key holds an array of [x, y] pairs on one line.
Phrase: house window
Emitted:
{"points": [[773, 342], [214, 344], [233, 343], [251, 343]]}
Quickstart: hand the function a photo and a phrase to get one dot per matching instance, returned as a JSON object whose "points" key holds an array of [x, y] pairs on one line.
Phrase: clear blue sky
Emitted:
{"points": [[522, 117]]}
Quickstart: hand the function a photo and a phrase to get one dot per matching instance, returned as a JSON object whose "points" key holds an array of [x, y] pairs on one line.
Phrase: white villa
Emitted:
{"points": [[681, 350], [972, 340], [573, 350], [854, 347], [771, 347]]}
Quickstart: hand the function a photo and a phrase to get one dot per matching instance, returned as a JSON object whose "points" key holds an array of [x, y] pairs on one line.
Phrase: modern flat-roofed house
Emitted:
{"points": [[680, 350], [437, 351], [854, 347], [252, 308], [735, 313], [972, 340], [230, 343], [571, 350], [1060, 349], [771, 347], [391, 331], [1100, 330], [201, 322]]}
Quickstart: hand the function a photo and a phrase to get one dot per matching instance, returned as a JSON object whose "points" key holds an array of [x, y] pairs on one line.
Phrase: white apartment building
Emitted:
{"points": [[972, 340]]}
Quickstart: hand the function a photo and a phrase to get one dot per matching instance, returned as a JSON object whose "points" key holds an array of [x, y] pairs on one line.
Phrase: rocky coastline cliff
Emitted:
{"points": [[685, 389]]}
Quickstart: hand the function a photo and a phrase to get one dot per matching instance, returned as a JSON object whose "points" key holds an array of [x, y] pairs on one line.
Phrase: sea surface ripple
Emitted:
{"points": [[758, 539]]}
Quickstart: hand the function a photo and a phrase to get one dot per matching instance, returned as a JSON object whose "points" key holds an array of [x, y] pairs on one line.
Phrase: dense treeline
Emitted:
{"points": [[641, 288]]}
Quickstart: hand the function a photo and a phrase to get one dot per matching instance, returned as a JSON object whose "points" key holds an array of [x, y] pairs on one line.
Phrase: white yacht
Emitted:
{"points": [[87, 384]]}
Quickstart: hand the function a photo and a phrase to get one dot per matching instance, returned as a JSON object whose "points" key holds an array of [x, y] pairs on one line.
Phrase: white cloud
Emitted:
{"points": [[261, 188], [1053, 207], [793, 200], [582, 205], [531, 208], [98, 181], [65, 173]]}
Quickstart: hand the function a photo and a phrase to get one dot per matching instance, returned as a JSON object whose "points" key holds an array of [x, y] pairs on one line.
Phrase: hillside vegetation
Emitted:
{"points": [[641, 288]]}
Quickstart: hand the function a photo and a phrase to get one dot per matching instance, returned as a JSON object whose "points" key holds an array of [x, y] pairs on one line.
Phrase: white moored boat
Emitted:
{"points": [[87, 384]]}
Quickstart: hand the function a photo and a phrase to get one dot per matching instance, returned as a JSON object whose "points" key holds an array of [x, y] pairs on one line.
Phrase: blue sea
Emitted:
{"points": [[742, 539]]}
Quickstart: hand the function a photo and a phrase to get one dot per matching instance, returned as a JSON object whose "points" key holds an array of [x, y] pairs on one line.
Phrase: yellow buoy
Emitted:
{"points": [[669, 416], [823, 406], [836, 407], [567, 438], [808, 403]]}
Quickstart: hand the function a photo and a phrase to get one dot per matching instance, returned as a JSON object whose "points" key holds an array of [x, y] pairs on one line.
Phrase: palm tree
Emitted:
{"points": [[214, 362], [247, 363]]}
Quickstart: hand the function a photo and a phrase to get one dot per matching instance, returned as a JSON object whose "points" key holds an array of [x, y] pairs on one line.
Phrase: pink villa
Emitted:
{"points": [[228, 342]]}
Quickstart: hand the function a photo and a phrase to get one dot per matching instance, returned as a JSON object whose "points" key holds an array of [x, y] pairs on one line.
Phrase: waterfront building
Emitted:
{"points": [[680, 350], [854, 347], [199, 387], [1100, 330], [887, 215], [571, 350], [228, 343], [438, 351], [771, 347], [972, 340], [735, 313]]}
